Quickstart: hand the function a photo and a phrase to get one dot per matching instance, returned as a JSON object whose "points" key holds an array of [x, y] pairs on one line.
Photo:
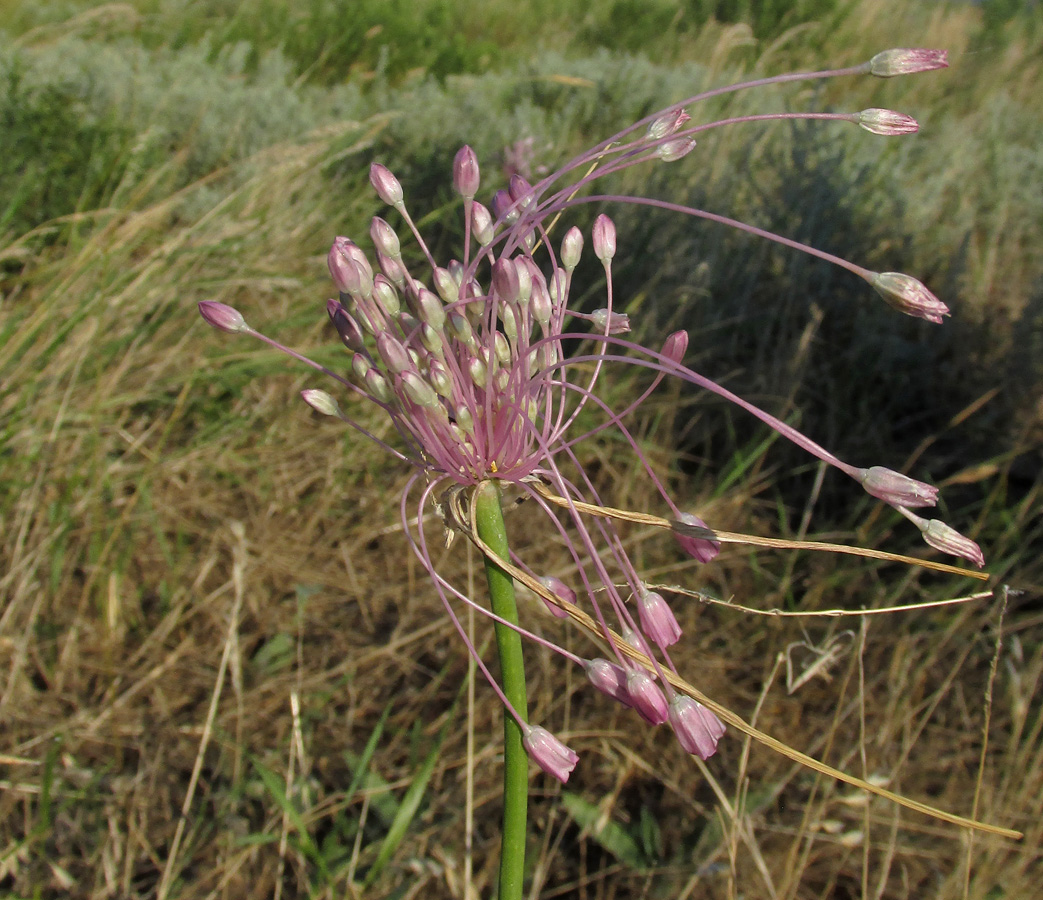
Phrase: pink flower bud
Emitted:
{"points": [[610, 322], [465, 173], [675, 345], [698, 730], [657, 619], [506, 284], [897, 489], [608, 678], [385, 184], [604, 237], [549, 753], [321, 402], [646, 697], [520, 191], [908, 296], [560, 590], [430, 309], [887, 122], [393, 353], [502, 207], [702, 549], [907, 62], [348, 275], [571, 248], [346, 326], [222, 317]]}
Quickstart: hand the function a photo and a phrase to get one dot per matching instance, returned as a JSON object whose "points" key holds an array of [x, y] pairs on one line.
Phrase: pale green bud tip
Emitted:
{"points": [[321, 402], [907, 62], [887, 122], [222, 317], [908, 296], [671, 151]]}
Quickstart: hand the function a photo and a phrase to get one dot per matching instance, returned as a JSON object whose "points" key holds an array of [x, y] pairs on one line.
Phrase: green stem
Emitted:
{"points": [[491, 530]]}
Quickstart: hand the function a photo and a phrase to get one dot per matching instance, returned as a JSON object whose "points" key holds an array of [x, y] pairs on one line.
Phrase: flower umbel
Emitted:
{"points": [[484, 369]]}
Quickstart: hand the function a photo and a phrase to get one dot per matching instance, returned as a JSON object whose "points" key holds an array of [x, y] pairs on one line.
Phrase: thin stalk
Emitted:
{"points": [[491, 530]]}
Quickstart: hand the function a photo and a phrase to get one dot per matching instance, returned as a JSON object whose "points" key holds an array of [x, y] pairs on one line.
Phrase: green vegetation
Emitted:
{"points": [[205, 604]]}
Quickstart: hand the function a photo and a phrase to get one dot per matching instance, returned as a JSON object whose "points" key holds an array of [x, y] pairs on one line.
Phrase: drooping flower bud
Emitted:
{"points": [[657, 619], [321, 402], [222, 317], [907, 62], [465, 173], [604, 238], [385, 184], [887, 122], [608, 322], [898, 489], [699, 548], [949, 540], [560, 590], [549, 753], [908, 296], [608, 678], [698, 730], [646, 697]]}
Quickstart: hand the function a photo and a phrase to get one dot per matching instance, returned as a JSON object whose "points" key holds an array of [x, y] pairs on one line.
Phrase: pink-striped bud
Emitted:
{"points": [[646, 697], [657, 619], [560, 590], [321, 402], [604, 238], [908, 296], [701, 548], [698, 730], [608, 322], [465, 173], [949, 540], [897, 489], [608, 678], [907, 62], [385, 184], [887, 122], [222, 317], [549, 753]]}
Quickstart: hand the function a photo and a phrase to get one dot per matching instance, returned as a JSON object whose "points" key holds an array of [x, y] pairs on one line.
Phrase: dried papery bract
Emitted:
{"points": [[490, 377]]}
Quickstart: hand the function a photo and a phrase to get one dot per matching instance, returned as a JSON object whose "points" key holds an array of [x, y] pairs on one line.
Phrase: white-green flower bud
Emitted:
{"points": [[510, 323], [464, 419], [446, 286], [386, 295], [478, 371], [321, 402], [430, 309], [440, 379], [502, 349], [378, 386]]}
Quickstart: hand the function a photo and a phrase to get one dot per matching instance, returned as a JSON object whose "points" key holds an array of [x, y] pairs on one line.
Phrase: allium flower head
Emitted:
{"points": [[485, 367]]}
